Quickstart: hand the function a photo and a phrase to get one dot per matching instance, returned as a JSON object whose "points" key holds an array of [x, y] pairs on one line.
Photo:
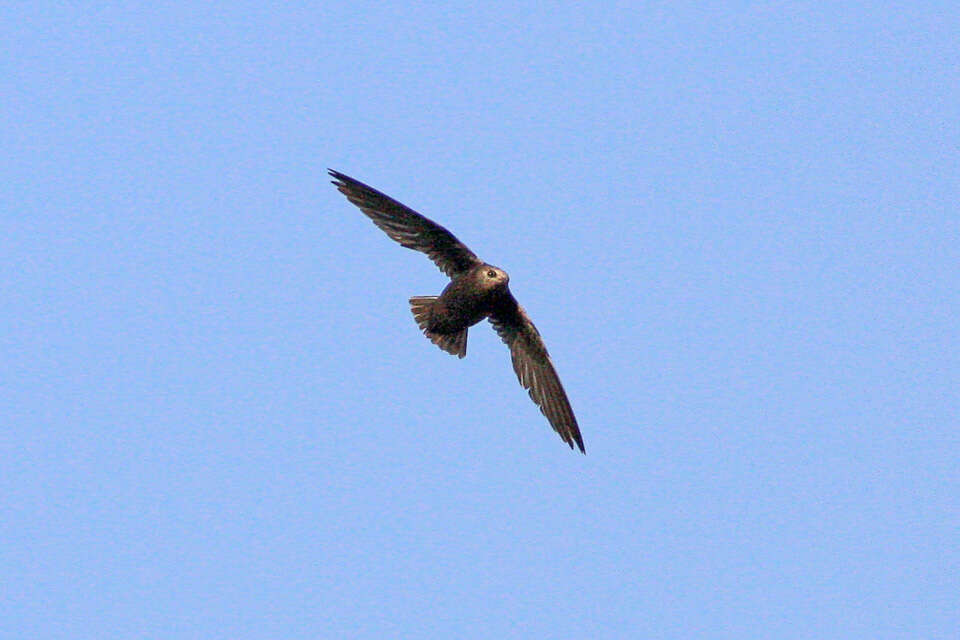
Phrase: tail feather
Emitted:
{"points": [[453, 343]]}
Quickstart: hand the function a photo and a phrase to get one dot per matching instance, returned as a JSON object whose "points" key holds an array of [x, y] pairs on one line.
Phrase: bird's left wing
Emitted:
{"points": [[534, 369], [408, 227]]}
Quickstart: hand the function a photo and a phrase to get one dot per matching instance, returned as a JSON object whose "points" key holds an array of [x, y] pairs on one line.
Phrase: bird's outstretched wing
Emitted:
{"points": [[408, 227], [534, 368]]}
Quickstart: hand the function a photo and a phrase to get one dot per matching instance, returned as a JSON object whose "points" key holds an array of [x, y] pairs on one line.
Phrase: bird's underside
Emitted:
{"points": [[477, 290], [452, 341]]}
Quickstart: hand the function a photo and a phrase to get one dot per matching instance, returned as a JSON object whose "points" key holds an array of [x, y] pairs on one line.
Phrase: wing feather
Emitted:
{"points": [[534, 369], [408, 227]]}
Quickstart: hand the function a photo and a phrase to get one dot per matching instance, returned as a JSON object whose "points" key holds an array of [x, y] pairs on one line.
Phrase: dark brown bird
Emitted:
{"points": [[477, 290]]}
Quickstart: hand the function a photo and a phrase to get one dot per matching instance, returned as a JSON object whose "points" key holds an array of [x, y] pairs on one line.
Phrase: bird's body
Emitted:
{"points": [[477, 290], [468, 299]]}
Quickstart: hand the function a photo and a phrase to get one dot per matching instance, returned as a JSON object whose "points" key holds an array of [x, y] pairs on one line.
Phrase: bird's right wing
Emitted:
{"points": [[408, 227], [534, 369]]}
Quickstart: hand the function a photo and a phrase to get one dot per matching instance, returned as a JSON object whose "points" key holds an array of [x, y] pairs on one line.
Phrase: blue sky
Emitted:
{"points": [[735, 225]]}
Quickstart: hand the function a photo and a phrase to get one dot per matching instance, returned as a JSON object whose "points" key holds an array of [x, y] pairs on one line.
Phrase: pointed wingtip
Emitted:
{"points": [[341, 180], [574, 439]]}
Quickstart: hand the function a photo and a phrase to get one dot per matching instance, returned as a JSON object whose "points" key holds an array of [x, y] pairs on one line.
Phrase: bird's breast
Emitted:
{"points": [[458, 307]]}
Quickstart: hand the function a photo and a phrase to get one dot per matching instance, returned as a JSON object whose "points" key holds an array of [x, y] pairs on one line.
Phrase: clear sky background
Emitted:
{"points": [[735, 224]]}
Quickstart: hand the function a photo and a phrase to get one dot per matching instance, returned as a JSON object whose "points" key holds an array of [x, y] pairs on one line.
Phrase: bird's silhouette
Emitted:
{"points": [[477, 290]]}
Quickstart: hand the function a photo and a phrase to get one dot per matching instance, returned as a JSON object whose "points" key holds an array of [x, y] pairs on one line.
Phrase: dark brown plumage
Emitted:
{"points": [[477, 290]]}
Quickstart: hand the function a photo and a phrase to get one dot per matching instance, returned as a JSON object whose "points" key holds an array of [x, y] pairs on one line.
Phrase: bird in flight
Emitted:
{"points": [[477, 290]]}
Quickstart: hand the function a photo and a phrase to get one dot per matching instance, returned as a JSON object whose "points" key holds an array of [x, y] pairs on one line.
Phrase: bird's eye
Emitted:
{"points": [[491, 274]]}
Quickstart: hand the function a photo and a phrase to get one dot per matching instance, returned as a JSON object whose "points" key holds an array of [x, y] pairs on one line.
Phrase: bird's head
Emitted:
{"points": [[491, 277]]}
